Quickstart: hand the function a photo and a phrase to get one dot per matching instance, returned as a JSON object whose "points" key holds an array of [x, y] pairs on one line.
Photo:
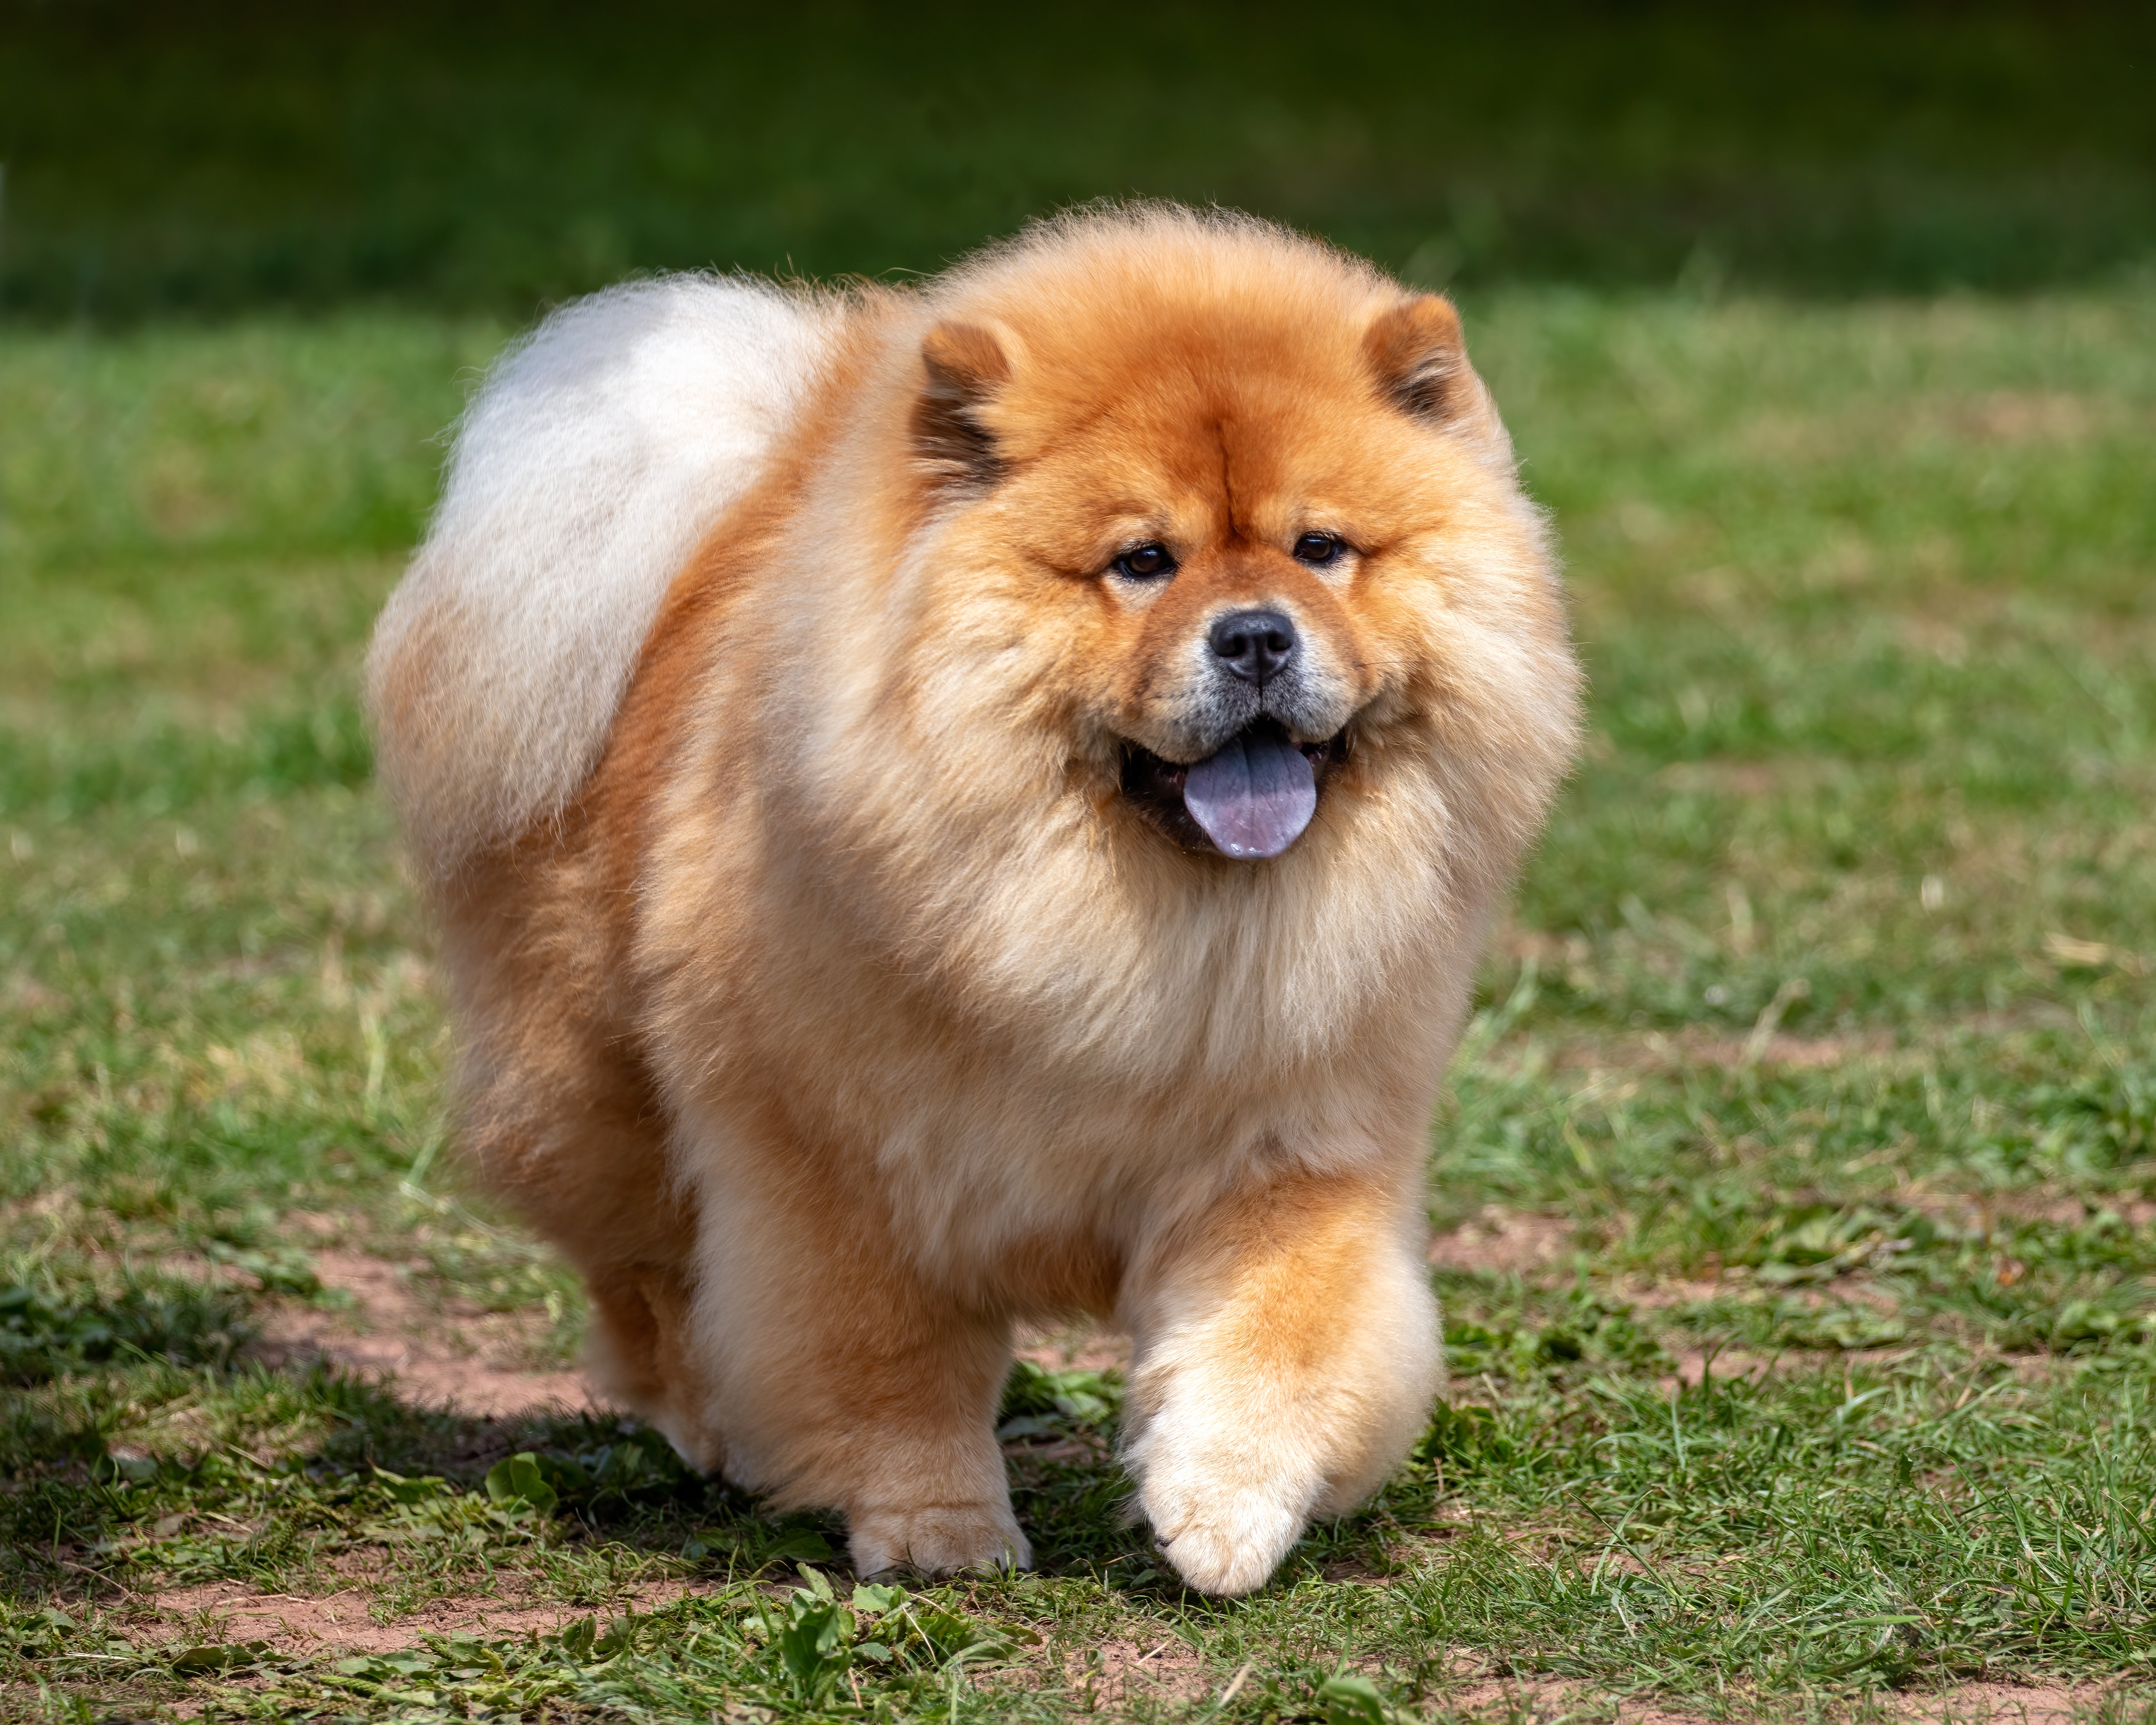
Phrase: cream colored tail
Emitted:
{"points": [[599, 453]]}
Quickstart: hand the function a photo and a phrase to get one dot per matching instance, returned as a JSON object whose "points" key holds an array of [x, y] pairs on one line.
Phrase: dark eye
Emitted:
{"points": [[1317, 548], [1145, 562]]}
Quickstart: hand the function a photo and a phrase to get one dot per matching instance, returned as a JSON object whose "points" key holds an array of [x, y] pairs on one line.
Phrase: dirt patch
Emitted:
{"points": [[457, 1357], [2006, 1703], [1728, 1364], [1080, 1349], [1502, 1242], [1659, 1294], [2036, 1204], [1113, 1674], [1360, 1572], [1517, 1701], [1980, 1213], [292, 1624], [1116, 1673], [1520, 1699]]}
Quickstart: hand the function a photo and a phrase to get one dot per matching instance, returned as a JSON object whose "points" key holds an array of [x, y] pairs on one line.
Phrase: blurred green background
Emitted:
{"points": [[489, 158]]}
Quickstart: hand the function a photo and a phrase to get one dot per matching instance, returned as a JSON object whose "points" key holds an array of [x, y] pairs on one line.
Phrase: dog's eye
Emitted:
{"points": [[1317, 548], [1146, 562]]}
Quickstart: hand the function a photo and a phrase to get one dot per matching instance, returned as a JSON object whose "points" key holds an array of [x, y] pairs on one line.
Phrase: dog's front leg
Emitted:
{"points": [[1287, 1356]]}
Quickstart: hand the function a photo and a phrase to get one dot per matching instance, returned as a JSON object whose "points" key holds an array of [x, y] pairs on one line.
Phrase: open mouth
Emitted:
{"points": [[1250, 797]]}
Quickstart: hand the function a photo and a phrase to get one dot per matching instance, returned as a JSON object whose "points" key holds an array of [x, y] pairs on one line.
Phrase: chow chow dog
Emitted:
{"points": [[955, 807]]}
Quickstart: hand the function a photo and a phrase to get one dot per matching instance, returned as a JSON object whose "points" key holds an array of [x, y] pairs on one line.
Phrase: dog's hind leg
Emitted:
{"points": [[640, 1353], [842, 1379], [597, 1186], [562, 1120], [1287, 1355]]}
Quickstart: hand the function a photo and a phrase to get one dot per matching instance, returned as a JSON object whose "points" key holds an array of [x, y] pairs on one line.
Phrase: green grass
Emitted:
{"points": [[1816, 1049], [485, 157]]}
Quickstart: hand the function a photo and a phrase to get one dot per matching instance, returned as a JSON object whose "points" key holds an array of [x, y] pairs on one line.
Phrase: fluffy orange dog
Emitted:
{"points": [[958, 807]]}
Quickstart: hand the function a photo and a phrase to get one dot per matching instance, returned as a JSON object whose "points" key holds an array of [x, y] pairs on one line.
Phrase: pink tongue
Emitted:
{"points": [[1254, 797]]}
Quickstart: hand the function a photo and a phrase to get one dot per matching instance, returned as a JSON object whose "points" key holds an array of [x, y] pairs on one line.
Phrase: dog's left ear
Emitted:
{"points": [[966, 366], [1415, 351]]}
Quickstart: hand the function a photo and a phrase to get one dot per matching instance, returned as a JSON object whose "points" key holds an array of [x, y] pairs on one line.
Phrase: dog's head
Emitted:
{"points": [[1235, 520]]}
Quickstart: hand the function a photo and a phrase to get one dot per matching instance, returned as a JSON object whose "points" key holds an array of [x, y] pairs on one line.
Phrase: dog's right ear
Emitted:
{"points": [[966, 366], [1414, 348]]}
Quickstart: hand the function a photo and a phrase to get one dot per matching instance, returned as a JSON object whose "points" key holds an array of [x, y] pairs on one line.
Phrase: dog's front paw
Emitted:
{"points": [[937, 1539], [1224, 1538]]}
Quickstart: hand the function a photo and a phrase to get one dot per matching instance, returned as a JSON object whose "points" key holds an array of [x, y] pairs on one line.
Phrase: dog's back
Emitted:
{"points": [[597, 454]]}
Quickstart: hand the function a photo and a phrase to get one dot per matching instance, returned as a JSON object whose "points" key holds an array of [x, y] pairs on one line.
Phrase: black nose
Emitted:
{"points": [[1254, 644]]}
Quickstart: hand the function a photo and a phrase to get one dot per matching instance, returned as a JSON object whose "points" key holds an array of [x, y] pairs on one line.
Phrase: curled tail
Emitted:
{"points": [[599, 451]]}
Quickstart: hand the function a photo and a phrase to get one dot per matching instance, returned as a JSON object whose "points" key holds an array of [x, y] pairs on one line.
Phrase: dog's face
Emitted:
{"points": [[1234, 528], [1210, 548], [1228, 518]]}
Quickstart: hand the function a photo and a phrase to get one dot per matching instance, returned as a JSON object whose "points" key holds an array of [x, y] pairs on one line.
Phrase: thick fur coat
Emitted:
{"points": [[965, 806]]}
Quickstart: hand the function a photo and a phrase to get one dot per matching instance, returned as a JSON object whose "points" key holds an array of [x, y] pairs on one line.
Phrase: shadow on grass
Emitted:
{"points": [[622, 1480], [281, 1450], [45, 1335]]}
